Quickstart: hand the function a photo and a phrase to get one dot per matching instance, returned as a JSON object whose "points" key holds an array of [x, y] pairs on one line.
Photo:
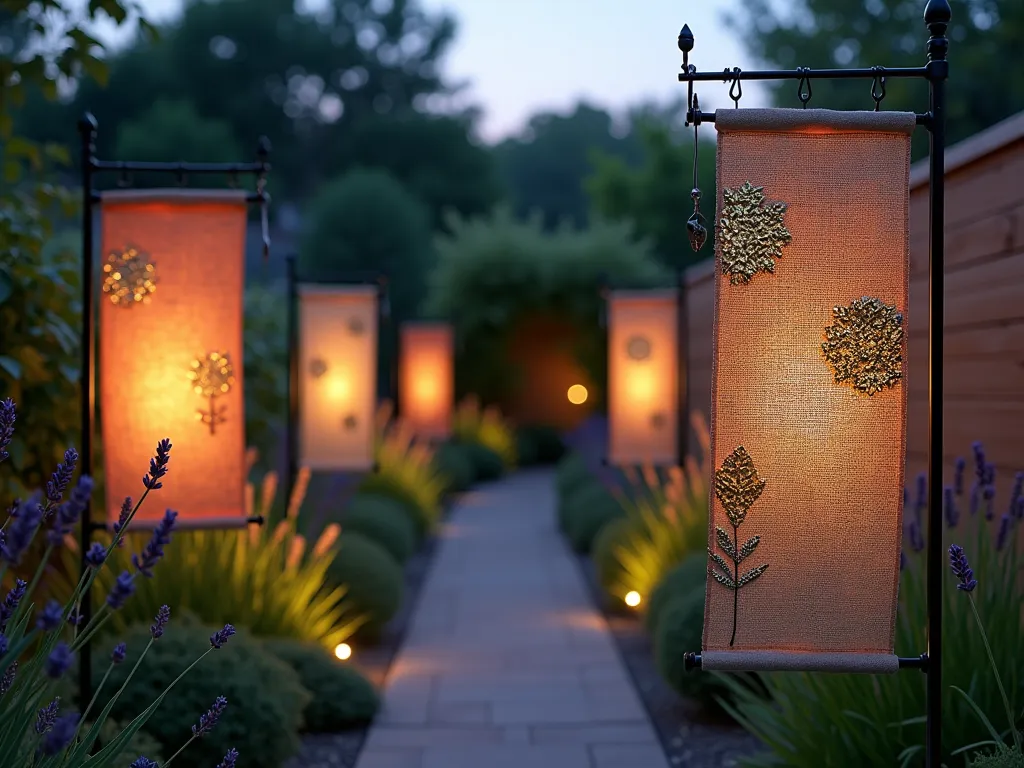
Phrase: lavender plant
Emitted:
{"points": [[38, 647]]}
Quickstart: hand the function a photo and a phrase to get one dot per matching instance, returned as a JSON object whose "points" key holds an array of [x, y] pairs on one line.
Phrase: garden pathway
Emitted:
{"points": [[506, 662]]}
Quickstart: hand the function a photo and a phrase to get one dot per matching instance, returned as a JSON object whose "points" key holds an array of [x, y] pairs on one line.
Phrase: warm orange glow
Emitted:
{"points": [[170, 361], [642, 377], [577, 394], [343, 651], [632, 598], [427, 378], [337, 375]]}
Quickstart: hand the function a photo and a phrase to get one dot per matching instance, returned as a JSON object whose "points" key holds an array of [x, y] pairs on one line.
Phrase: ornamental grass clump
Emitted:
{"points": [[39, 645]]}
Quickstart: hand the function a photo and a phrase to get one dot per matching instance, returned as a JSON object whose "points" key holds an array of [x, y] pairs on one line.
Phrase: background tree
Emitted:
{"points": [[986, 80], [656, 195], [543, 168]]}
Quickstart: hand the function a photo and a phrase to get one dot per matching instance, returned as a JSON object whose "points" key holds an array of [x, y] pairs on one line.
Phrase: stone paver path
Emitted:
{"points": [[506, 663]]}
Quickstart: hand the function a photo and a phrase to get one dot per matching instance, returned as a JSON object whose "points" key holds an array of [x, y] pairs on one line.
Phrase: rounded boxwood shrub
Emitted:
{"points": [[686, 578], [487, 464], [679, 630], [383, 520], [586, 511], [455, 464], [377, 484], [342, 697], [373, 580], [265, 696], [610, 573], [572, 471]]}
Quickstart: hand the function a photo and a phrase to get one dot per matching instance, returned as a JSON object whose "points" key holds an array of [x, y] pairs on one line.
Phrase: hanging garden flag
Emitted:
{"points": [[809, 393]]}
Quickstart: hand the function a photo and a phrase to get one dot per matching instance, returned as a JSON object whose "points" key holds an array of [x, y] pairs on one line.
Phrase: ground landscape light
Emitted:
{"points": [[577, 394], [343, 651], [633, 598]]}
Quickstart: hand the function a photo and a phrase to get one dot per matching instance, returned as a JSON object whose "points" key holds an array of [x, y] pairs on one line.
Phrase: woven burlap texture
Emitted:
{"points": [[829, 517]]}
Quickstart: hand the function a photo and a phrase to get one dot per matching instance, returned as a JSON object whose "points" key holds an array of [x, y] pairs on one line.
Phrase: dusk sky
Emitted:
{"points": [[528, 55]]}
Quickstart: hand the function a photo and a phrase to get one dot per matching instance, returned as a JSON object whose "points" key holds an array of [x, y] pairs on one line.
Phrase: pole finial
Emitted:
{"points": [[263, 149], [685, 41], [87, 124], [937, 12]]}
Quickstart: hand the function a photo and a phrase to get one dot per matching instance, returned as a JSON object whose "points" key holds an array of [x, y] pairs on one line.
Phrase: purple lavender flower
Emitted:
{"points": [[922, 493], [46, 715], [60, 735], [975, 498], [154, 550], [96, 555], [1018, 511], [58, 482], [124, 587], [1016, 492], [210, 719], [75, 617], [988, 495], [8, 415], [229, 759], [958, 476], [903, 559], [219, 639], [51, 616], [915, 539], [1004, 530], [19, 533], [117, 655], [10, 603], [160, 623], [961, 568], [143, 762], [979, 461], [158, 465], [949, 507], [69, 512], [122, 518], [59, 660], [8, 679], [3, 643]]}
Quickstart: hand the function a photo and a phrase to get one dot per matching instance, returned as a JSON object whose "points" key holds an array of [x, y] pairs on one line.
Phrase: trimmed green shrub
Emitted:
{"points": [[685, 579], [680, 630], [342, 697], [539, 444], [572, 471], [586, 512], [265, 697], [487, 464], [376, 484], [373, 581], [454, 463], [383, 520], [606, 564]]}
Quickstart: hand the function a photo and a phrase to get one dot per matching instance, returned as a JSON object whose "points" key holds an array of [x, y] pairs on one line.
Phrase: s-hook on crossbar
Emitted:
{"points": [[90, 167], [937, 15]]}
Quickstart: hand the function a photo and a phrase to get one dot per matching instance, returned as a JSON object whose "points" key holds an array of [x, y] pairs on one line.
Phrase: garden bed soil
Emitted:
{"points": [[690, 736], [341, 750]]}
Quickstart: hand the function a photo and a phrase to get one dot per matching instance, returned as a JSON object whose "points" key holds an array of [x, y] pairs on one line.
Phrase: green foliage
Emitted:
{"points": [[265, 696], [494, 271], [433, 157], [856, 720], [476, 426], [383, 520], [686, 578], [571, 475], [679, 630], [487, 465], [366, 221], [171, 130], [606, 564], [587, 511], [1002, 757], [455, 465], [372, 580], [654, 195], [544, 167], [266, 368], [539, 444], [405, 472], [262, 579], [986, 83], [341, 697]]}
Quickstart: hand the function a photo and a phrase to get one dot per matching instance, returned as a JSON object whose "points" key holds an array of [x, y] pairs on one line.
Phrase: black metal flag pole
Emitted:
{"points": [[937, 15]]}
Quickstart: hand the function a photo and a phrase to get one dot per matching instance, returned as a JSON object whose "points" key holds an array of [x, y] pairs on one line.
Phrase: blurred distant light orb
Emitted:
{"points": [[343, 651], [633, 599], [577, 394]]}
